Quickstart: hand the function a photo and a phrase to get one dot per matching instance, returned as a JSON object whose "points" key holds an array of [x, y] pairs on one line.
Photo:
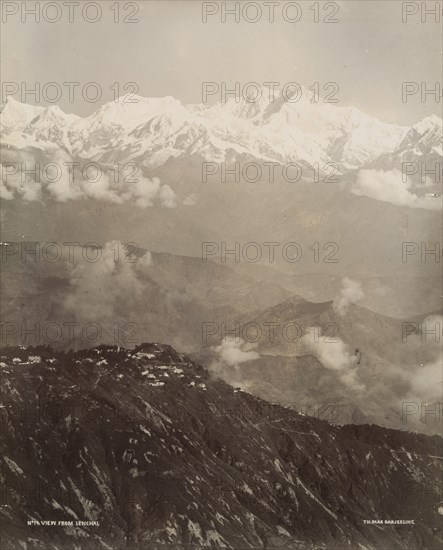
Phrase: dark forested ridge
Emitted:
{"points": [[152, 452]]}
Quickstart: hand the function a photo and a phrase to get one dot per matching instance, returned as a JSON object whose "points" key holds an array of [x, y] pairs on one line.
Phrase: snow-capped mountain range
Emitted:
{"points": [[152, 130]]}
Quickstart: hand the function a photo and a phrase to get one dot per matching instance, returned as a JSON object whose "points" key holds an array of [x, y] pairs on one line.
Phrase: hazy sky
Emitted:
{"points": [[170, 51]]}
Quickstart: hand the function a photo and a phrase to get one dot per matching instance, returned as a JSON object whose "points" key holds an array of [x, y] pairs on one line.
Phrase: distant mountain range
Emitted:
{"points": [[144, 449], [150, 131]]}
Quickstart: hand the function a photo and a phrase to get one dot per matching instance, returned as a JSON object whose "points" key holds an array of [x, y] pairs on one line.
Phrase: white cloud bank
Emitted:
{"points": [[335, 357], [350, 293], [65, 183], [388, 186]]}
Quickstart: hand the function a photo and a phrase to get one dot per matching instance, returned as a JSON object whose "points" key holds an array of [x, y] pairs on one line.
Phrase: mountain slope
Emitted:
{"points": [[164, 297], [156, 452], [365, 365]]}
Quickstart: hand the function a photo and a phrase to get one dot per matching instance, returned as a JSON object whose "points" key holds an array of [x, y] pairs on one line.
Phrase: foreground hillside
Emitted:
{"points": [[155, 453]]}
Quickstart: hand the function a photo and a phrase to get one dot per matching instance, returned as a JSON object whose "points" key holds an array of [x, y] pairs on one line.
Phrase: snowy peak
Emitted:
{"points": [[132, 110], [51, 125], [422, 143], [426, 132], [15, 116], [429, 123]]}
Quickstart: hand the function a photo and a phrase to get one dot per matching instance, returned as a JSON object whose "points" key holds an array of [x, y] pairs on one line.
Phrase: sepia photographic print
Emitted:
{"points": [[221, 275]]}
